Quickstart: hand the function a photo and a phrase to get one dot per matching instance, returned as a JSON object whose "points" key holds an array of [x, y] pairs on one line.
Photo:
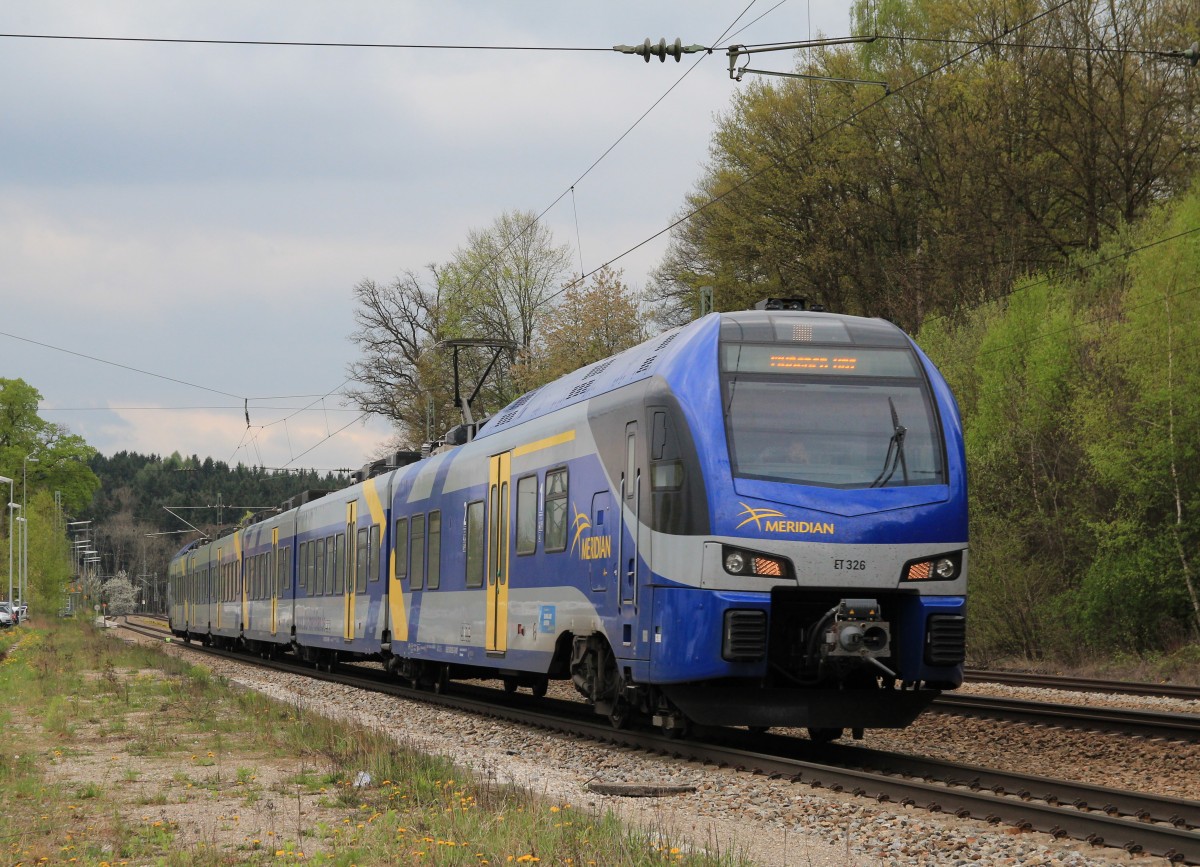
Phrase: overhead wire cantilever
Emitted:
{"points": [[736, 51]]}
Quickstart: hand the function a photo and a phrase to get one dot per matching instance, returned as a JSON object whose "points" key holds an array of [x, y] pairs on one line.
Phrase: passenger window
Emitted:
{"points": [[527, 515], [373, 554], [305, 567], [556, 510], [361, 564], [475, 544], [318, 567], [401, 545], [417, 558], [435, 550]]}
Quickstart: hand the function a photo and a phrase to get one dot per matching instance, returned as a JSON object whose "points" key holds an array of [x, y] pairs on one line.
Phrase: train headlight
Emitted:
{"points": [[940, 568], [739, 562]]}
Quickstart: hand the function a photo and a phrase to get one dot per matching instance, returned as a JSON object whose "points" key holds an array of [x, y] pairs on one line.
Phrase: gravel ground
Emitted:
{"points": [[773, 822]]}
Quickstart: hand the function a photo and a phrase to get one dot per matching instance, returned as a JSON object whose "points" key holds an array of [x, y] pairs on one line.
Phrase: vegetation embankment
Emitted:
{"points": [[121, 754]]}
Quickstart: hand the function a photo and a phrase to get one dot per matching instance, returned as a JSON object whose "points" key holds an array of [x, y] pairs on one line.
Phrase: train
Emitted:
{"points": [[756, 519]]}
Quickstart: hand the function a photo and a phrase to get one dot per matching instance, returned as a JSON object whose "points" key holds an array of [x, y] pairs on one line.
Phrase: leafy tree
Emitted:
{"points": [[62, 457], [120, 596], [1142, 423], [593, 322], [978, 167], [502, 285]]}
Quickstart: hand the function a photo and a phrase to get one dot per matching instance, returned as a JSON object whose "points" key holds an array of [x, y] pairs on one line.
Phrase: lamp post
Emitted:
{"points": [[23, 566], [11, 506]]}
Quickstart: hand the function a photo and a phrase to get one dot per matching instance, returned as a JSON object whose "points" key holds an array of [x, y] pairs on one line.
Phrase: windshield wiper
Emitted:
{"points": [[895, 452]]}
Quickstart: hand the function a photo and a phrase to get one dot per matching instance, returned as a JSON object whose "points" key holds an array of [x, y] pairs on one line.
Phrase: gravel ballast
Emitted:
{"points": [[771, 822]]}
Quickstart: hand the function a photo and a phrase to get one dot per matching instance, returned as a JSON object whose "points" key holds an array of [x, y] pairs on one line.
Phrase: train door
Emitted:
{"points": [[272, 560], [631, 553], [189, 596], [499, 476], [349, 573]]}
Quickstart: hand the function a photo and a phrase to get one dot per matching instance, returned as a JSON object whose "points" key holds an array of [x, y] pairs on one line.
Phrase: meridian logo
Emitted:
{"points": [[581, 525], [758, 516], [590, 547]]}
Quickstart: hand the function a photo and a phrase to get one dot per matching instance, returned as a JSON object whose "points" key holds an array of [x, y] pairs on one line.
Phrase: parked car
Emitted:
{"points": [[22, 613], [7, 617]]}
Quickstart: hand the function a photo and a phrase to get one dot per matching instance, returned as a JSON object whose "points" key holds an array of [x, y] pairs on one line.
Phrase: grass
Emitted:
{"points": [[129, 755]]}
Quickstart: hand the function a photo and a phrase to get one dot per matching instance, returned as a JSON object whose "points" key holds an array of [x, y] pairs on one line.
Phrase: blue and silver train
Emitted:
{"points": [[757, 519]]}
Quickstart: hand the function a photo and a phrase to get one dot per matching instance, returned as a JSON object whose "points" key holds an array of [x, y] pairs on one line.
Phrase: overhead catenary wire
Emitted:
{"points": [[281, 43]]}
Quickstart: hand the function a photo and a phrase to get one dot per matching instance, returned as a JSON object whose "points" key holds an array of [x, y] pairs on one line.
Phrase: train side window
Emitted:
{"points": [[373, 554], [340, 565], [416, 571], [475, 544], [556, 510], [630, 460], [305, 566], [527, 515], [318, 575], [401, 548], [361, 564], [434, 578]]}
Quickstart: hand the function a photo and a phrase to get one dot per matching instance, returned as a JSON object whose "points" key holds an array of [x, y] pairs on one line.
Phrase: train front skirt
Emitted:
{"points": [[751, 705]]}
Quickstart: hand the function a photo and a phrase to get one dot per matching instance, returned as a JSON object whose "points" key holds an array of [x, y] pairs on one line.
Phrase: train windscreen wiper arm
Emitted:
{"points": [[895, 452]]}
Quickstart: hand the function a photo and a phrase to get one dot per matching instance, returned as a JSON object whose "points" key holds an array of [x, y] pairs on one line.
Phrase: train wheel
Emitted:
{"points": [[620, 713], [540, 686], [824, 736], [441, 679], [510, 684]]}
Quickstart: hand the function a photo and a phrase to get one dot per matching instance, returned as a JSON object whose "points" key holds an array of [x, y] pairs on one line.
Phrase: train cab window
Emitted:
{"points": [[434, 576], [317, 549], [556, 510], [416, 570], [475, 544], [401, 549], [527, 514], [373, 554], [361, 564]]}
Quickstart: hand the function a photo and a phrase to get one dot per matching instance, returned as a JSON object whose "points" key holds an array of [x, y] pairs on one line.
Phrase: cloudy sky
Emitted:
{"points": [[197, 215]]}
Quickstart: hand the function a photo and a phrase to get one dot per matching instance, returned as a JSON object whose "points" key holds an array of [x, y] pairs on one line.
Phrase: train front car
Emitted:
{"points": [[804, 524]]}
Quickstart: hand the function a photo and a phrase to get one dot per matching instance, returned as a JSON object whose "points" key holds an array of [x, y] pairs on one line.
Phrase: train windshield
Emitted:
{"points": [[838, 417]]}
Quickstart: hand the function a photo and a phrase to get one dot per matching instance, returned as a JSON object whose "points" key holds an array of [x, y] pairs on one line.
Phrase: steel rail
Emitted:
{"points": [[1174, 726], [1083, 684], [1178, 812]]}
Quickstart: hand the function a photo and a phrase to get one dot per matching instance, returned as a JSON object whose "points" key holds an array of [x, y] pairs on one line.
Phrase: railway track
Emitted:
{"points": [[1171, 726], [1168, 827], [1084, 684]]}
